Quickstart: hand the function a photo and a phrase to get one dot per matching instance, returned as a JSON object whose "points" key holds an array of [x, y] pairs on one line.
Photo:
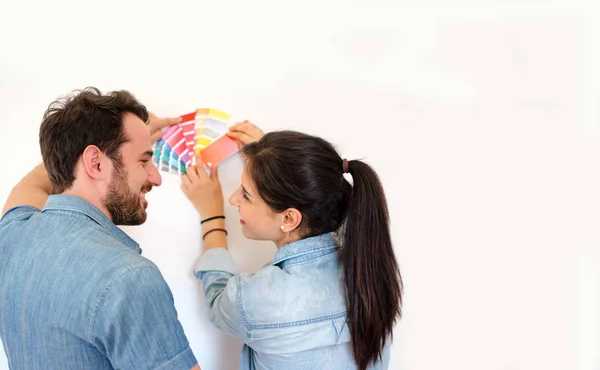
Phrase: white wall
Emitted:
{"points": [[481, 120]]}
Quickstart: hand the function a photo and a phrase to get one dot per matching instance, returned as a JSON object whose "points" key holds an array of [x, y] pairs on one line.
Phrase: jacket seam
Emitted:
{"points": [[334, 316], [238, 280]]}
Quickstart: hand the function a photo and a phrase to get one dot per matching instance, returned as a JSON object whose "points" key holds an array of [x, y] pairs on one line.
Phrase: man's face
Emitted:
{"points": [[133, 177]]}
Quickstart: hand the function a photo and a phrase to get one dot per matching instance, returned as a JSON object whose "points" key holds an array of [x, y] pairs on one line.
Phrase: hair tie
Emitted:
{"points": [[345, 165], [210, 231], [211, 218]]}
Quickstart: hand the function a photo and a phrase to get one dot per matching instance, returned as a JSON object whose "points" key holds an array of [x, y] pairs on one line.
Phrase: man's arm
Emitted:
{"points": [[33, 190]]}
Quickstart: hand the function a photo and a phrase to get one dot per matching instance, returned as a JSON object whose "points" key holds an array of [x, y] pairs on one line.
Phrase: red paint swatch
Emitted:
{"points": [[219, 150]]}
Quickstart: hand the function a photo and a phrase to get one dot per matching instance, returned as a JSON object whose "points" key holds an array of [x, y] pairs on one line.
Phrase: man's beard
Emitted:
{"points": [[122, 204]]}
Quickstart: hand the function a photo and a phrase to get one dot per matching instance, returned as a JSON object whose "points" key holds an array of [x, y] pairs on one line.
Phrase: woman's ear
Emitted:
{"points": [[291, 220]]}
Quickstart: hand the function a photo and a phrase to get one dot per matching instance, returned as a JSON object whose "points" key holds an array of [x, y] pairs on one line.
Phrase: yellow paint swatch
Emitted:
{"points": [[204, 141], [218, 114]]}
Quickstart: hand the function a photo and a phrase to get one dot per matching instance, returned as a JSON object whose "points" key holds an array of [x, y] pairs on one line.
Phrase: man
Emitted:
{"points": [[75, 293]]}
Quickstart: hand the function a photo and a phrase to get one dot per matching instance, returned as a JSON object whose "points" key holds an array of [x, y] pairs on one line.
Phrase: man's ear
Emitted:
{"points": [[93, 163], [291, 220]]}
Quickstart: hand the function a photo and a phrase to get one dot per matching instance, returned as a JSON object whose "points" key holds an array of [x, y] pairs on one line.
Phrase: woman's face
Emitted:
{"points": [[258, 220]]}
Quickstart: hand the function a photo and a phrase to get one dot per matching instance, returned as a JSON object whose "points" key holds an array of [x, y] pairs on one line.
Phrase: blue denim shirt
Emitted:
{"points": [[75, 293], [291, 314]]}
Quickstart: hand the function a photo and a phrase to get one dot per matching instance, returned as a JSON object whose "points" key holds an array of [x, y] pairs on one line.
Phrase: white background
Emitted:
{"points": [[481, 119]]}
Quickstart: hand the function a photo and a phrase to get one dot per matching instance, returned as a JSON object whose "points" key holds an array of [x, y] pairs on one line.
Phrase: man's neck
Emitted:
{"points": [[93, 199]]}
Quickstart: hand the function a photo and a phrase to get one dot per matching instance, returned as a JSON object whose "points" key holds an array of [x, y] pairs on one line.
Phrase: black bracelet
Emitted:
{"points": [[210, 231], [211, 218]]}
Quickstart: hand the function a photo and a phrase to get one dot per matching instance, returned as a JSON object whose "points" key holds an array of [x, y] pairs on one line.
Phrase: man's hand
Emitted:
{"points": [[156, 124]]}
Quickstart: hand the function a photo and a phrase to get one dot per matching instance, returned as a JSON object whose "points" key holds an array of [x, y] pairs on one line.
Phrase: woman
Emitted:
{"points": [[331, 295]]}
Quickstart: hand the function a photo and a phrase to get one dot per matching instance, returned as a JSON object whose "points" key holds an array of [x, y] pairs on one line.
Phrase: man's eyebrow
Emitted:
{"points": [[147, 153]]}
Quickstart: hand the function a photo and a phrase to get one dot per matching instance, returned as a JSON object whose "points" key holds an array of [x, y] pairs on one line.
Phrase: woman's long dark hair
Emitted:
{"points": [[295, 170]]}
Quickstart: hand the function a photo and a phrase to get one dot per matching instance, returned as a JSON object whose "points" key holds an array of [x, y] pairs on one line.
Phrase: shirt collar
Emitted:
{"points": [[79, 205], [305, 246]]}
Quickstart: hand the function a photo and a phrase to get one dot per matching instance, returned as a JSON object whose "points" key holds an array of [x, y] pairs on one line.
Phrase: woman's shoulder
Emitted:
{"points": [[274, 294]]}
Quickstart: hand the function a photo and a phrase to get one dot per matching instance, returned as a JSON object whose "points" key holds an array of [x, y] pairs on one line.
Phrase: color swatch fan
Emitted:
{"points": [[201, 131]]}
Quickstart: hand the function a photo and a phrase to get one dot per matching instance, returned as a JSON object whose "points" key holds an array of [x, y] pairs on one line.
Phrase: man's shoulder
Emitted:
{"points": [[137, 286], [18, 213], [117, 262], [131, 270], [106, 262]]}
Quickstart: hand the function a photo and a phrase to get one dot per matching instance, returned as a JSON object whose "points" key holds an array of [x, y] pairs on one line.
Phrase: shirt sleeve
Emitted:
{"points": [[222, 291], [136, 324]]}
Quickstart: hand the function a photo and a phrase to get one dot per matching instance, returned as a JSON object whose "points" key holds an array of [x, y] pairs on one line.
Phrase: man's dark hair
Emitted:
{"points": [[85, 117]]}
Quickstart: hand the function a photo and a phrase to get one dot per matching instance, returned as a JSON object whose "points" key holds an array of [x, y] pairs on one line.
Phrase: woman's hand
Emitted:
{"points": [[203, 190], [245, 132]]}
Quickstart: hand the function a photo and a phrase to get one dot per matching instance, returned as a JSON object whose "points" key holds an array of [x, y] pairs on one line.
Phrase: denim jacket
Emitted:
{"points": [[291, 314]]}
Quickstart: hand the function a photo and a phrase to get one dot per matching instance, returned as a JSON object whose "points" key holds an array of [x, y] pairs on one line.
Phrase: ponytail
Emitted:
{"points": [[371, 274]]}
